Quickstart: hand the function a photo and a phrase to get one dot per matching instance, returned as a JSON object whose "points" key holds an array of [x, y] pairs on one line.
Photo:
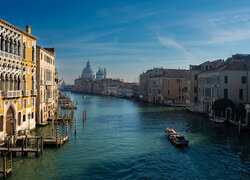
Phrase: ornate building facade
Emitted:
{"points": [[46, 76], [17, 82]]}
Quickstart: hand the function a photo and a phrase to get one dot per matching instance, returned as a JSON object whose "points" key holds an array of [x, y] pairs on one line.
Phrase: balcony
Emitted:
{"points": [[48, 100], [33, 92], [13, 93], [10, 56], [49, 83], [25, 92]]}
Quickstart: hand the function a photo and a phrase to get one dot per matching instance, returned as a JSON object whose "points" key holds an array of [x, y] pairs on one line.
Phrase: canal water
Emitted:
{"points": [[122, 139]]}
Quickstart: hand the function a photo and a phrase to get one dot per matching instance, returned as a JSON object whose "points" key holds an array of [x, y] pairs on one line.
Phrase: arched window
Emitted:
{"points": [[33, 53], [24, 83], [24, 51]]}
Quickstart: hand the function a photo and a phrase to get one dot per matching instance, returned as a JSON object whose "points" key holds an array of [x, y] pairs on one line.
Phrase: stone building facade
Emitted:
{"points": [[18, 85], [47, 78]]}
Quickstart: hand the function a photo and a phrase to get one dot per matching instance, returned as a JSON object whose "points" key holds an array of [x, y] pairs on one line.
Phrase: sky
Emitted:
{"points": [[130, 36]]}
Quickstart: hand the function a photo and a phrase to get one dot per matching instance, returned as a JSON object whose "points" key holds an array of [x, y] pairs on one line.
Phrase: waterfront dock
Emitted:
{"points": [[6, 165], [24, 145], [52, 141]]}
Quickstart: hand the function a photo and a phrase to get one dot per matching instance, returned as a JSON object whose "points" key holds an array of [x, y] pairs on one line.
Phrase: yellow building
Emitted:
{"points": [[17, 82], [47, 84]]}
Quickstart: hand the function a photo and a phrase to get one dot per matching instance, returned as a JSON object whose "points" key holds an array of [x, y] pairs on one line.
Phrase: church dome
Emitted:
{"points": [[88, 72], [100, 74]]}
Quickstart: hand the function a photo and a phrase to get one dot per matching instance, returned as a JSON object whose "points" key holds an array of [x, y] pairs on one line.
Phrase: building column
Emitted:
{"points": [[0, 42], [3, 45], [3, 84], [11, 47], [7, 46], [15, 48], [6, 85], [18, 49]]}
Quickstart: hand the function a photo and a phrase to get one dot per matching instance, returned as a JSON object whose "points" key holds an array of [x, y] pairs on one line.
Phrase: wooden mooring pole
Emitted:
{"points": [[57, 136], [53, 124], [4, 165], [67, 128], [85, 114], [75, 126]]}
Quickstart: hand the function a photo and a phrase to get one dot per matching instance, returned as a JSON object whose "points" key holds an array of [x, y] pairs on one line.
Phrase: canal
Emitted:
{"points": [[122, 139]]}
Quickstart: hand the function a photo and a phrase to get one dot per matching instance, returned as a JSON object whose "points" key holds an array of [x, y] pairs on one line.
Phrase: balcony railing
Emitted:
{"points": [[48, 100], [33, 92], [13, 93], [25, 92], [48, 83], [10, 56]]}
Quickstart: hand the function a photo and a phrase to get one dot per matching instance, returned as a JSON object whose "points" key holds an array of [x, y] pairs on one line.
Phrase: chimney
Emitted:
{"points": [[28, 29]]}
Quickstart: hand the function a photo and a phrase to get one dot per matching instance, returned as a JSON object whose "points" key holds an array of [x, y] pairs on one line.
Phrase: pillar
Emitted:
{"points": [[7, 46], [11, 47], [3, 45], [6, 85], [18, 49], [3, 83]]}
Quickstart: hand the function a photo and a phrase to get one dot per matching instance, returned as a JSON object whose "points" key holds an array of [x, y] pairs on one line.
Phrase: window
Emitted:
{"points": [[41, 56], [32, 115], [1, 123], [225, 79], [168, 83], [243, 79], [33, 53], [168, 91], [225, 93], [195, 77], [24, 104], [24, 118], [33, 102], [19, 118], [195, 89], [24, 51], [241, 93]]}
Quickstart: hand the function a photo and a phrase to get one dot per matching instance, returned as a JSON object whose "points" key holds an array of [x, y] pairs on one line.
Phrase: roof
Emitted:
{"points": [[17, 29], [46, 50], [176, 73], [234, 65], [238, 65]]}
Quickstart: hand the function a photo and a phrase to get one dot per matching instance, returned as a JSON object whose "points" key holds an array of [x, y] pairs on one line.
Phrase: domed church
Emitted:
{"points": [[88, 72], [101, 74]]}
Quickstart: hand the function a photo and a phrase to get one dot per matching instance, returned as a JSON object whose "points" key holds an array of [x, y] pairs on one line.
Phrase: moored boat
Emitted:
{"points": [[175, 138]]}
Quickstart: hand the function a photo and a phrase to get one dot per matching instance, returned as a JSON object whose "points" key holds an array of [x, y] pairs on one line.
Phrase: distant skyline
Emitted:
{"points": [[129, 37]]}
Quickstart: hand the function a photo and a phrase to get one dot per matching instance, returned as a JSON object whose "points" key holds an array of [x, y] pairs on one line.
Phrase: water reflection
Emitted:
{"points": [[122, 139]]}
